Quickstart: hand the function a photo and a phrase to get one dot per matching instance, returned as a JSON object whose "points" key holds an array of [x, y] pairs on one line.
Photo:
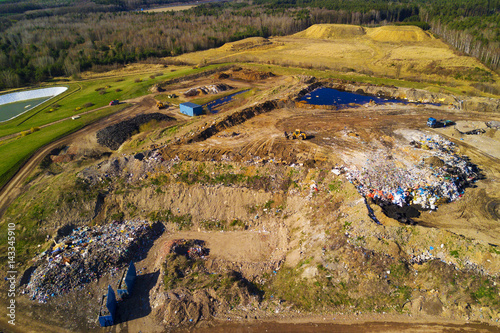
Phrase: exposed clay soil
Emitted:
{"points": [[283, 226]]}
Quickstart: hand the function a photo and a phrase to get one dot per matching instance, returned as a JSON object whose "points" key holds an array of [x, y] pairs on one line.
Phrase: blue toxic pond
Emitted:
{"points": [[212, 106], [329, 96]]}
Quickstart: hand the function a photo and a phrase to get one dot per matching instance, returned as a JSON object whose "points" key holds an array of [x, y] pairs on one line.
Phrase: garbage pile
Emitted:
{"points": [[87, 254], [441, 176]]}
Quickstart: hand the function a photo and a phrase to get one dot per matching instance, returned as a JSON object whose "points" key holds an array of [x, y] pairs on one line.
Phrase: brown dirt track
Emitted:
{"points": [[16, 185], [260, 137]]}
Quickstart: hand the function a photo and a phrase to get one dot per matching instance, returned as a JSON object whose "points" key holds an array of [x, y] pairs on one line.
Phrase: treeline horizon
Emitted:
{"points": [[44, 39]]}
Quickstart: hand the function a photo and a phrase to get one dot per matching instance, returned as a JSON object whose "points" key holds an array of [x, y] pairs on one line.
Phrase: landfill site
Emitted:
{"points": [[270, 209]]}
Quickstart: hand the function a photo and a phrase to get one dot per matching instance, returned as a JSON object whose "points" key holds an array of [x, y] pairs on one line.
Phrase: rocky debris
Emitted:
{"points": [[132, 167], [204, 90], [113, 136], [196, 290], [480, 104], [493, 124], [87, 254], [244, 74]]}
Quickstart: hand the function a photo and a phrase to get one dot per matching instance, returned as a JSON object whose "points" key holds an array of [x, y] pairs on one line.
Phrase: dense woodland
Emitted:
{"points": [[42, 39]]}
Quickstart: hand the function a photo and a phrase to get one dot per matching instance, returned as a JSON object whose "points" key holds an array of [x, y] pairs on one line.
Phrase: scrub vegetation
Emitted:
{"points": [[112, 32]]}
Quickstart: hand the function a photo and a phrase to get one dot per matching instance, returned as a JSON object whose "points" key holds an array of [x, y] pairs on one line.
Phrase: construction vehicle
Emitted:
{"points": [[298, 134], [434, 123], [160, 105]]}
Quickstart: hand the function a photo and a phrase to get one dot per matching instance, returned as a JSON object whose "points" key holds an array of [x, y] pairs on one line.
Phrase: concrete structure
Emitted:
{"points": [[127, 282], [108, 309], [191, 109]]}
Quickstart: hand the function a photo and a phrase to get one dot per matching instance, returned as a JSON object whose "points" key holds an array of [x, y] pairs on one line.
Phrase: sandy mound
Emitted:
{"points": [[398, 34], [323, 31], [245, 44]]}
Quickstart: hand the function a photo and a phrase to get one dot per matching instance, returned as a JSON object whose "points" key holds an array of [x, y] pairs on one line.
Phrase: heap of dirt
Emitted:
{"points": [[409, 94], [197, 290], [204, 90], [245, 44], [331, 31], [156, 88], [113, 136], [243, 74], [482, 104], [398, 34]]}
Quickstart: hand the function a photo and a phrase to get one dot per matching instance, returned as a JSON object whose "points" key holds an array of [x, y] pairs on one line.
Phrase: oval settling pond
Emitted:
{"points": [[15, 104]]}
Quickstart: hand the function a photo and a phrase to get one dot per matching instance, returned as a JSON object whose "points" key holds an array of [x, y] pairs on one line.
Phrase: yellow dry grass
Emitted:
{"points": [[398, 34], [245, 44], [169, 9], [331, 31], [404, 52]]}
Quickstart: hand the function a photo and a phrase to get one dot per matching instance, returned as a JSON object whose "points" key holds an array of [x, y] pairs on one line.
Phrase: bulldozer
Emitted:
{"points": [[298, 134], [160, 105]]}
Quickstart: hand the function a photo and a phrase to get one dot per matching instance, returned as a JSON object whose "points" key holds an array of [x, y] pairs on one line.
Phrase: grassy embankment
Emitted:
{"points": [[81, 97]]}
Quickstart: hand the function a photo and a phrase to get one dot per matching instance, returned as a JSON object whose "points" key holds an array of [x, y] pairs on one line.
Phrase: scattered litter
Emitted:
{"points": [[87, 254]]}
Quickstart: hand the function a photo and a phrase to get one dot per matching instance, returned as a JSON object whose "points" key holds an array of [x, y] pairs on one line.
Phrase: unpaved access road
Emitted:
{"points": [[15, 186]]}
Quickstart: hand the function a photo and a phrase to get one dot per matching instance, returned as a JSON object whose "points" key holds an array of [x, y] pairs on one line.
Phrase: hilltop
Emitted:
{"points": [[359, 53]]}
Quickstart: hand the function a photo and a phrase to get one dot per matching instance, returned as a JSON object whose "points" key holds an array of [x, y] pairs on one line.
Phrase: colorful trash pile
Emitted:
{"points": [[87, 254], [441, 176]]}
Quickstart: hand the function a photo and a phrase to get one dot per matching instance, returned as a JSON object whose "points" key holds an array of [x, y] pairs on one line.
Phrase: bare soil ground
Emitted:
{"points": [[320, 235]]}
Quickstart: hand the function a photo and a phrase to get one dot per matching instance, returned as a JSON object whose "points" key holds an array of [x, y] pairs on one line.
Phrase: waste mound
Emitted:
{"points": [[113, 136], [87, 254], [441, 176]]}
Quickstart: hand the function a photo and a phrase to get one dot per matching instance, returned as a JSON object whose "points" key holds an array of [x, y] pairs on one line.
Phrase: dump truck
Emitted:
{"points": [[298, 134], [434, 123]]}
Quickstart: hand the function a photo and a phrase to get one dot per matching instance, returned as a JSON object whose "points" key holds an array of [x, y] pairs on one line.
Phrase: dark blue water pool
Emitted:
{"points": [[212, 106], [329, 96]]}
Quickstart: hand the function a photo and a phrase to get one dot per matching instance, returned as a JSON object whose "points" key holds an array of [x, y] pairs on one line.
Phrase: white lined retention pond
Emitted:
{"points": [[15, 104]]}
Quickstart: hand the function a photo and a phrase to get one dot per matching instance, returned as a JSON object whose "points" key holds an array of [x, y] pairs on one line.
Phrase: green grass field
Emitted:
{"points": [[16, 151]]}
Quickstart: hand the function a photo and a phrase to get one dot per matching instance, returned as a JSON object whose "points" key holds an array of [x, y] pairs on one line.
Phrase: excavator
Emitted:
{"points": [[298, 134], [160, 105]]}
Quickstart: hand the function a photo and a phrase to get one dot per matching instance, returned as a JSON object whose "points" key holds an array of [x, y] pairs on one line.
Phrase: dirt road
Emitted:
{"points": [[16, 185]]}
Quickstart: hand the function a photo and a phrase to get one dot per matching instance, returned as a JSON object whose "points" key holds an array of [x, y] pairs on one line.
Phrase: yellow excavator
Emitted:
{"points": [[298, 134], [160, 105]]}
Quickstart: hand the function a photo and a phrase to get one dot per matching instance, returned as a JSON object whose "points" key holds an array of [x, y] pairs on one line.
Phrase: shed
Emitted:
{"points": [[191, 109]]}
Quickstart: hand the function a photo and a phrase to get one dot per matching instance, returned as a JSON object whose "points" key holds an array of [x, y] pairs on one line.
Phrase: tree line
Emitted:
{"points": [[42, 39]]}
